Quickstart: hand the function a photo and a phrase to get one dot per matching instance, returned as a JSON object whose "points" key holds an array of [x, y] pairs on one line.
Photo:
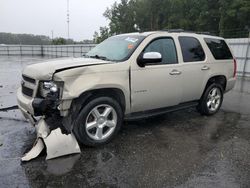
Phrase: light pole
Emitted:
{"points": [[68, 16], [52, 35]]}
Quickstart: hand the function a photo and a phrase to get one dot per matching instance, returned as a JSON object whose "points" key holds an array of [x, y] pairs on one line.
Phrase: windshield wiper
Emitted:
{"points": [[99, 57]]}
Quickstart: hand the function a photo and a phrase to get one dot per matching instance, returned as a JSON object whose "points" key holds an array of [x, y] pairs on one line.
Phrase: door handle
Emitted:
{"points": [[175, 72], [205, 68]]}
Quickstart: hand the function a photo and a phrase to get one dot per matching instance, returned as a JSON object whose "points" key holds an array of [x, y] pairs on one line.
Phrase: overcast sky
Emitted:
{"points": [[41, 16]]}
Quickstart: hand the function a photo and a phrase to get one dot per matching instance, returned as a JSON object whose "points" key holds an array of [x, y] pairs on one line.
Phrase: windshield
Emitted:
{"points": [[116, 48]]}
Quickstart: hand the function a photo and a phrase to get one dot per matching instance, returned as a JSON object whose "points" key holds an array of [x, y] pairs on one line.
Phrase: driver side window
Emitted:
{"points": [[166, 47]]}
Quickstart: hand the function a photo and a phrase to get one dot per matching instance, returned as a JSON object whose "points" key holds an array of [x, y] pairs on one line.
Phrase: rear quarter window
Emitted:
{"points": [[218, 48]]}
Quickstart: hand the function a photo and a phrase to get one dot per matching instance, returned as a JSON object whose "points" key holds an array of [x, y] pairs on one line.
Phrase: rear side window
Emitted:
{"points": [[166, 47], [218, 48], [191, 49]]}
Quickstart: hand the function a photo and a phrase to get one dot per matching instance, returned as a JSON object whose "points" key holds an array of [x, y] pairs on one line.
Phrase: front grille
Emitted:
{"points": [[28, 79], [27, 91]]}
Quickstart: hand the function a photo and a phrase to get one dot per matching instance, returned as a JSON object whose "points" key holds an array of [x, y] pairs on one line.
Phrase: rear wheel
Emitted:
{"points": [[98, 121], [211, 100]]}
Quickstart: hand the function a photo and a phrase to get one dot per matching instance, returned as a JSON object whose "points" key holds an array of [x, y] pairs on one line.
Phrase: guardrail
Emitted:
{"points": [[47, 50]]}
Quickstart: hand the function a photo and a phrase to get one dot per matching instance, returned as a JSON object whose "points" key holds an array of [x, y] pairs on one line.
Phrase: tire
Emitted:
{"points": [[98, 121], [211, 100]]}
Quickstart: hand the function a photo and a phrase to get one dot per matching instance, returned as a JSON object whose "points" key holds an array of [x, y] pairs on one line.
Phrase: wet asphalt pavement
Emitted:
{"points": [[179, 149]]}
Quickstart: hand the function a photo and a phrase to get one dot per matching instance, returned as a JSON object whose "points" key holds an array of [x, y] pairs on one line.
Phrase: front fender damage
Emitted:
{"points": [[56, 143]]}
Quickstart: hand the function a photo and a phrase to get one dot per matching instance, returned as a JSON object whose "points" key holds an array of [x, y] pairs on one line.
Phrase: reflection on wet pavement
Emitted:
{"points": [[180, 149], [62, 165]]}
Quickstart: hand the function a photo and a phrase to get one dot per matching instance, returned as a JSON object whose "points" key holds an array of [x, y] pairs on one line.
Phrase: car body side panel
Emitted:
{"points": [[80, 80]]}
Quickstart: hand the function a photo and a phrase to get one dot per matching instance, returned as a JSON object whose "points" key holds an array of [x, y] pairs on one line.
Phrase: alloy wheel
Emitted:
{"points": [[214, 99], [101, 122]]}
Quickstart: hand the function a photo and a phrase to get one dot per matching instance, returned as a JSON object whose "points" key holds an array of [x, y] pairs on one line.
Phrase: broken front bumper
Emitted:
{"points": [[57, 144], [25, 105], [31, 107]]}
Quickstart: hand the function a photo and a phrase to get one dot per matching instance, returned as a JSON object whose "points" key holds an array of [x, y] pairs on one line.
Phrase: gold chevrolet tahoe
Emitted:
{"points": [[128, 76]]}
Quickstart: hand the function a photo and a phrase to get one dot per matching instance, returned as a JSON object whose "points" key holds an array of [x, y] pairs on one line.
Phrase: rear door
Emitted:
{"points": [[195, 68]]}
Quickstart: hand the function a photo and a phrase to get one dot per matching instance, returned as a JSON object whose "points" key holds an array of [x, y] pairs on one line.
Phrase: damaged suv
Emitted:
{"points": [[128, 76]]}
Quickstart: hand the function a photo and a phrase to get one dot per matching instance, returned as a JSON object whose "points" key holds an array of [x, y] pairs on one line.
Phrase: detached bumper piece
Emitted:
{"points": [[57, 144]]}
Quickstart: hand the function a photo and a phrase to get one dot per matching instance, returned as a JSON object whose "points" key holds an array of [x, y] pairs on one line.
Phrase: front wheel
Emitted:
{"points": [[211, 100], [98, 121]]}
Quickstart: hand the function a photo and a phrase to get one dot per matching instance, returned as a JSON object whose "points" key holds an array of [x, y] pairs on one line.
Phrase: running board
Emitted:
{"points": [[159, 111]]}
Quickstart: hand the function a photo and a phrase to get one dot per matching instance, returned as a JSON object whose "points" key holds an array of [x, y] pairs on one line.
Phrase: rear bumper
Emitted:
{"points": [[230, 84]]}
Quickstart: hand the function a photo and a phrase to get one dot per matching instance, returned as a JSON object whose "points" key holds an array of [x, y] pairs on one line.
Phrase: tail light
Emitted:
{"points": [[235, 67]]}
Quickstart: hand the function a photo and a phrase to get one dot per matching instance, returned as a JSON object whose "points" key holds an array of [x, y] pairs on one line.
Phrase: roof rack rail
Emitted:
{"points": [[174, 30], [186, 31], [204, 32]]}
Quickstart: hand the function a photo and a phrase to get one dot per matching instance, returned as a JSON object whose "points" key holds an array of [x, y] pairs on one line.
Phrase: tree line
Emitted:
{"points": [[227, 18], [10, 38], [29, 39]]}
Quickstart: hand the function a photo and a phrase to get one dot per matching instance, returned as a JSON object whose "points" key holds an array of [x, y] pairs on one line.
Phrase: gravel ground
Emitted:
{"points": [[179, 149]]}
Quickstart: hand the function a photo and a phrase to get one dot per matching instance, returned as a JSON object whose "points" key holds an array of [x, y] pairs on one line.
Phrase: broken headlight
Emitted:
{"points": [[50, 87]]}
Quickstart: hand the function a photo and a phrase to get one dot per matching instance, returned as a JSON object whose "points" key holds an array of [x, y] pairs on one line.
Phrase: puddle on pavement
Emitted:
{"points": [[62, 165]]}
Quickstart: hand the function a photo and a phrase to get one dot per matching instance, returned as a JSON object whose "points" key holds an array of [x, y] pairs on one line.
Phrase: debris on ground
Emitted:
{"points": [[35, 150], [53, 141]]}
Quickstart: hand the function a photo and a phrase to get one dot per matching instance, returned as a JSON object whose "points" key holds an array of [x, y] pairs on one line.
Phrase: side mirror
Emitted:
{"points": [[149, 57]]}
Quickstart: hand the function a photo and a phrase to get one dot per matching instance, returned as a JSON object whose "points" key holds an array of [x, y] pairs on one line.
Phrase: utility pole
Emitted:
{"points": [[68, 16], [52, 35]]}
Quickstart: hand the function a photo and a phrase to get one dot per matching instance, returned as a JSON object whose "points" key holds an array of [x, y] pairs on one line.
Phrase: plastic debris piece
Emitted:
{"points": [[59, 144], [35, 150], [42, 129]]}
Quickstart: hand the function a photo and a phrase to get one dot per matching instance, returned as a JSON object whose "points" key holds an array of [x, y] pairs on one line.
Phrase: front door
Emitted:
{"points": [[157, 85]]}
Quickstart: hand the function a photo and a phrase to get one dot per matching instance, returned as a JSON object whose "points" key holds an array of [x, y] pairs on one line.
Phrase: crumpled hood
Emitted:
{"points": [[45, 70]]}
